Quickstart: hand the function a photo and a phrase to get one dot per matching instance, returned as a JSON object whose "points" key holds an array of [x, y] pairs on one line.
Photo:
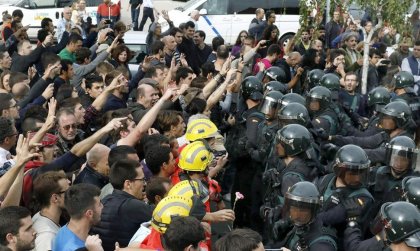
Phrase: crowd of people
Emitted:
{"points": [[277, 144]]}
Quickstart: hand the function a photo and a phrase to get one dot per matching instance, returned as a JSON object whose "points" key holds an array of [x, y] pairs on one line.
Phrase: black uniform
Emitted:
{"points": [[315, 237], [332, 212]]}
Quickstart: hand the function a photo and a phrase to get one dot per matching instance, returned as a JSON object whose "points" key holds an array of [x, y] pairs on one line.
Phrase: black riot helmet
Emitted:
{"points": [[353, 159], [302, 197], [318, 94], [315, 77], [292, 98], [411, 190], [270, 104], [378, 97], [252, 88], [275, 73], [399, 111], [401, 222], [293, 113], [273, 86], [330, 81], [402, 155], [294, 139], [403, 79]]}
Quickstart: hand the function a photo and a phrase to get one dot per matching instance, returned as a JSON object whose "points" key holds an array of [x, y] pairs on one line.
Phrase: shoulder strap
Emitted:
{"points": [[333, 126], [324, 182]]}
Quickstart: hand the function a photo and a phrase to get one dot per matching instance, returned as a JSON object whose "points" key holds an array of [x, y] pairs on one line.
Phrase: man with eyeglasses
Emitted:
{"points": [[8, 106], [124, 210], [49, 189]]}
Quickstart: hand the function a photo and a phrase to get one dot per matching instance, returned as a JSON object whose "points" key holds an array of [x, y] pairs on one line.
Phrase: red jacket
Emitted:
{"points": [[111, 12]]}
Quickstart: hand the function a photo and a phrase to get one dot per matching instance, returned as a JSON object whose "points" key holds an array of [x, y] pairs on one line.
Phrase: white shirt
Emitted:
{"points": [[46, 230], [148, 3], [405, 66], [141, 233], [61, 28]]}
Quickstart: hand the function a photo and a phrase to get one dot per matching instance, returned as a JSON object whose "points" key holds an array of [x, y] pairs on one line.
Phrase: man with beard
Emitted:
{"points": [[124, 211], [16, 231], [84, 207], [49, 189]]}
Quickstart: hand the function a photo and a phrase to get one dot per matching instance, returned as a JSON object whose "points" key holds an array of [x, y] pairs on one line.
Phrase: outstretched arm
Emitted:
{"points": [[147, 121]]}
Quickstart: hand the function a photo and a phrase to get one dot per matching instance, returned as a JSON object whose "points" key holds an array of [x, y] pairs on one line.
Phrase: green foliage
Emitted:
{"points": [[394, 12]]}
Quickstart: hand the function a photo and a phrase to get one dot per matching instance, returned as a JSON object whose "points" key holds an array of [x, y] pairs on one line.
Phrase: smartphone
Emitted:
{"points": [[268, 43], [107, 21], [386, 61]]}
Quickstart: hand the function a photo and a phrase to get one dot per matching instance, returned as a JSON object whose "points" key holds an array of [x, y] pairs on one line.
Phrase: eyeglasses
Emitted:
{"points": [[142, 179], [67, 127]]}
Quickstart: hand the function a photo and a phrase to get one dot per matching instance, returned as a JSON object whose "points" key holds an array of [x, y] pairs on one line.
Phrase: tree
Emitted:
{"points": [[393, 12]]}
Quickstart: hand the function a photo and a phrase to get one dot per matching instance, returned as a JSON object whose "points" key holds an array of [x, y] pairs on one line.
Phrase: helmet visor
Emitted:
{"points": [[351, 176], [269, 107], [402, 159], [301, 211]]}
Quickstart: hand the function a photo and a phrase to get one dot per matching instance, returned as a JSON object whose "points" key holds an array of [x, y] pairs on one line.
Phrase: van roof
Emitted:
{"points": [[135, 37]]}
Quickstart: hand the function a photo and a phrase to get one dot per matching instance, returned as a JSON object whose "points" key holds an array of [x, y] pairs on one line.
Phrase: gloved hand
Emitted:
{"points": [[280, 228], [329, 150], [354, 208], [321, 134]]}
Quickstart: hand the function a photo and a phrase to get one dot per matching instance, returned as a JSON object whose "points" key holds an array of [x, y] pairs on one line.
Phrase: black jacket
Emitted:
{"points": [[121, 216], [90, 176]]}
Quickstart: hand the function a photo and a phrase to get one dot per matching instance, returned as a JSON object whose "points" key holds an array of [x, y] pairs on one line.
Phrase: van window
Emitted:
{"points": [[39, 4], [290, 7], [93, 3], [216, 7]]}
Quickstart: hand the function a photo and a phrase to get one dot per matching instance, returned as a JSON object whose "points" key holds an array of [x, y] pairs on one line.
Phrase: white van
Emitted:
{"points": [[226, 18], [35, 10]]}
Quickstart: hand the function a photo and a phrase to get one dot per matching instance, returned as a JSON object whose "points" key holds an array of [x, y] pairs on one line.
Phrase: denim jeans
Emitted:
{"points": [[135, 18]]}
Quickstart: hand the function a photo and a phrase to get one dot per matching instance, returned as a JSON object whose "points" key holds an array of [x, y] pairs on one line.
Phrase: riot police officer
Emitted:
{"points": [[401, 158], [401, 222], [345, 189], [394, 120], [411, 190], [302, 203], [243, 133], [292, 142], [318, 104], [274, 73], [292, 98], [293, 113], [275, 86], [314, 77], [404, 83]]}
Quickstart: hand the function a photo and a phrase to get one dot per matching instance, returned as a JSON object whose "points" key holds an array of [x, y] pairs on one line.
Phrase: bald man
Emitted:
{"points": [[62, 23], [96, 170], [195, 15], [256, 26]]}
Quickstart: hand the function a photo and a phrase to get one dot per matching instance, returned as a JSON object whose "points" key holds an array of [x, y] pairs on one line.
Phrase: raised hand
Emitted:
{"points": [[114, 124], [48, 92], [23, 150]]}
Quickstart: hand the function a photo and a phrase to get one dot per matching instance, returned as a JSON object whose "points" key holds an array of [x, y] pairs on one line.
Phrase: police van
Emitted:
{"points": [[226, 18], [35, 10]]}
